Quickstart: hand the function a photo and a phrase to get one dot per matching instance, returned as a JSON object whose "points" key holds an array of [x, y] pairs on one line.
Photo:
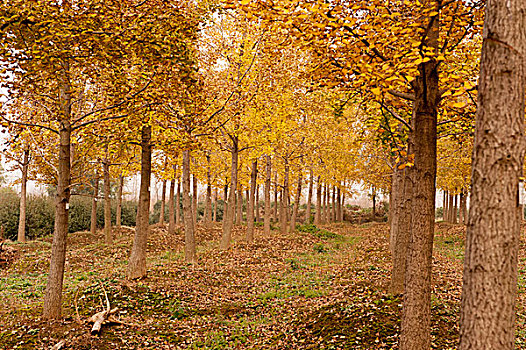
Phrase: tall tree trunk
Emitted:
{"points": [[401, 227], [455, 209], [343, 205], [108, 234], [171, 208], [338, 204], [23, 196], [118, 214], [284, 209], [317, 215], [465, 208], [308, 213], [489, 293], [374, 202], [266, 219], [325, 203], [94, 199], [258, 215], [297, 199], [451, 208], [137, 262], [251, 201], [239, 205], [228, 219], [188, 213], [444, 205], [208, 201], [225, 201], [333, 209], [216, 201], [276, 191], [397, 186], [195, 197], [53, 293], [178, 203], [416, 312], [163, 201]]}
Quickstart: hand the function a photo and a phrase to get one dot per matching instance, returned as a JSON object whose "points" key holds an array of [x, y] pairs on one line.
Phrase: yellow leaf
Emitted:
{"points": [[376, 91]]}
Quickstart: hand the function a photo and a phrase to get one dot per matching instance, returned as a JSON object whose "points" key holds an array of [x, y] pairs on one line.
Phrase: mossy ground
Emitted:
{"points": [[312, 289]]}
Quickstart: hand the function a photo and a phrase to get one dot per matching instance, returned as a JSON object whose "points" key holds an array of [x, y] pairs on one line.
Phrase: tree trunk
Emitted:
{"points": [[188, 213], [23, 197], [343, 205], [416, 312], [266, 219], [451, 208], [225, 200], [338, 204], [326, 203], [195, 197], [239, 205], [163, 201], [178, 203], [171, 208], [108, 234], [208, 201], [118, 214], [53, 293], [228, 219], [251, 200], [216, 201], [374, 202], [284, 209], [317, 215], [444, 205], [137, 262], [333, 209], [297, 199], [401, 226], [94, 199], [464, 208], [258, 215], [397, 187], [276, 191], [308, 212], [489, 293]]}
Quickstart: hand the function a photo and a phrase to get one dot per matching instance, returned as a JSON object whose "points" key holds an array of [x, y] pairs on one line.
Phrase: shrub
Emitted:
{"points": [[9, 212]]}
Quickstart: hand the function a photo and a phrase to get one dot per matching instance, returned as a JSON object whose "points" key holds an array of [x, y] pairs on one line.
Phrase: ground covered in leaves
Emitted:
{"points": [[317, 288]]}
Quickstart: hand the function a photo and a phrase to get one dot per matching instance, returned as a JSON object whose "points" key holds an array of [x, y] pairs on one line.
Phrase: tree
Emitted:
{"points": [[492, 240]]}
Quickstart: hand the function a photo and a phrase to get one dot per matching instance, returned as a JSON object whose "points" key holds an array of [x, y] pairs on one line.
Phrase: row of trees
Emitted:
{"points": [[311, 94]]}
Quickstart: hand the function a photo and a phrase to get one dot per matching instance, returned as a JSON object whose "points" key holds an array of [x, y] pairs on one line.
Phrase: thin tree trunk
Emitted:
{"points": [[258, 214], [208, 201], [195, 198], [188, 213], [171, 208], [239, 205], [178, 203], [465, 208], [455, 209], [225, 200], [276, 191], [317, 215], [333, 209], [228, 219], [308, 213], [338, 204], [216, 201], [397, 186], [416, 312], [489, 293], [284, 205], [251, 201], [118, 214], [108, 233], [342, 214], [23, 197], [266, 219], [53, 293], [374, 202], [137, 262], [297, 199], [444, 205], [451, 208], [94, 199], [163, 201]]}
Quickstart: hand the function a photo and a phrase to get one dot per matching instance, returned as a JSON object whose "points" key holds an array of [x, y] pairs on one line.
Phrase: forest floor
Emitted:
{"points": [[314, 289]]}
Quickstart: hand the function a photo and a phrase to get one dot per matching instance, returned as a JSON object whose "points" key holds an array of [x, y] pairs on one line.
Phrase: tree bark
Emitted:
{"points": [[239, 205], [188, 212], [416, 312], [178, 203], [208, 201], [216, 201], [108, 234], [297, 199], [308, 213], [455, 209], [23, 197], [195, 196], [283, 223], [338, 204], [163, 203], [53, 293], [228, 219], [251, 202], [258, 214], [451, 208], [171, 208], [317, 215], [266, 218], [94, 199], [374, 201], [276, 191], [489, 293], [397, 186], [137, 262], [118, 214]]}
